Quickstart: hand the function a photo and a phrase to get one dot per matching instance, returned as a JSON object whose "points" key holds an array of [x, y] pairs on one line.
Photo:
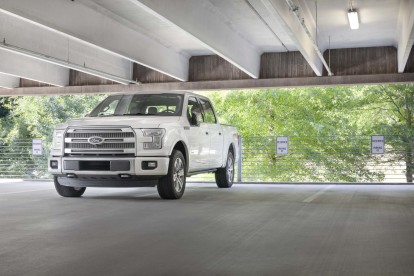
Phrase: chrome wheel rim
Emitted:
{"points": [[178, 175], [230, 168]]}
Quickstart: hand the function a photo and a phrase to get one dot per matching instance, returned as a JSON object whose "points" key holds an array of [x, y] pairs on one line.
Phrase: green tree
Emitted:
{"points": [[5, 103], [323, 126], [35, 117], [392, 112]]}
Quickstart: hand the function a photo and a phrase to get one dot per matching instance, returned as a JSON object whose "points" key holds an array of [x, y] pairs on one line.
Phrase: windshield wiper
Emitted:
{"points": [[109, 115], [135, 114]]}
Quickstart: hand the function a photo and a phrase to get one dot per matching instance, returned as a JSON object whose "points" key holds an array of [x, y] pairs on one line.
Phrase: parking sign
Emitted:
{"points": [[37, 148], [282, 145], [377, 144]]}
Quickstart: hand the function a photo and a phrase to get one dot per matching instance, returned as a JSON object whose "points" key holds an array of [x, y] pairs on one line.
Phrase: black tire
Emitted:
{"points": [[66, 191], [172, 185], [225, 176]]}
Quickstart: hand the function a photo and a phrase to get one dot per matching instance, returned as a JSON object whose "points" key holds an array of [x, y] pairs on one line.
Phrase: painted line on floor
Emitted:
{"points": [[317, 194], [27, 191]]}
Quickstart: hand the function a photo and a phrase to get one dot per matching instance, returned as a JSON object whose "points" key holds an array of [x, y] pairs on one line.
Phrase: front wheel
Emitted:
{"points": [[66, 191], [225, 176], [172, 185]]}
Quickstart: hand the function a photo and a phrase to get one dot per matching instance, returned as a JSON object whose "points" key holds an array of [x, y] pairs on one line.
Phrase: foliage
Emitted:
{"points": [[25, 118], [327, 129], [394, 110], [5, 103], [36, 117]]}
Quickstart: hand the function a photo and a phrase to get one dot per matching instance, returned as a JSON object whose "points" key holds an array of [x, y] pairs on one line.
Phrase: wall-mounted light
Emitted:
{"points": [[353, 19]]}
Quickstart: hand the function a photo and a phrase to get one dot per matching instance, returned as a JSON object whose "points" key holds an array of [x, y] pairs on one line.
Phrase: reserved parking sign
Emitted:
{"points": [[282, 145], [377, 144], [37, 148]]}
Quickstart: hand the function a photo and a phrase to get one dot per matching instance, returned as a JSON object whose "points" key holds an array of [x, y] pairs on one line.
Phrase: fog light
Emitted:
{"points": [[149, 165], [152, 164], [54, 164]]}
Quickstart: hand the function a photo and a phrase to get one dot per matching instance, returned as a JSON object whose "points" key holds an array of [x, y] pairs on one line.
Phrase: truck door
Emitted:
{"points": [[215, 134], [198, 138]]}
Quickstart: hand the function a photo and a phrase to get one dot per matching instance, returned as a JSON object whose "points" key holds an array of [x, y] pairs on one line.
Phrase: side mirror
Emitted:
{"points": [[195, 119]]}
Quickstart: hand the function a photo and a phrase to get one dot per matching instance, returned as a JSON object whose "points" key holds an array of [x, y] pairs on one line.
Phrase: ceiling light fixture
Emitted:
{"points": [[353, 18]]}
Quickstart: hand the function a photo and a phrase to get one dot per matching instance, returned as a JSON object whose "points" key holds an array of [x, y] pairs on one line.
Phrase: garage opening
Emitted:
{"points": [[351, 134]]}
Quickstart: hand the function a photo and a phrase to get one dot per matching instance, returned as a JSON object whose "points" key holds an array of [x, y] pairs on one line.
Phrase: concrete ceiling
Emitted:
{"points": [[46, 40], [378, 23]]}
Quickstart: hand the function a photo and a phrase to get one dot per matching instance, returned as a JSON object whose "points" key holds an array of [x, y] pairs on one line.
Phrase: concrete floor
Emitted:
{"points": [[246, 230]]}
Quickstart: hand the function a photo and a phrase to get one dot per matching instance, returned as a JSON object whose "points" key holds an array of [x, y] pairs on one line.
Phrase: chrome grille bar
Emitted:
{"points": [[115, 141], [101, 134], [103, 146]]}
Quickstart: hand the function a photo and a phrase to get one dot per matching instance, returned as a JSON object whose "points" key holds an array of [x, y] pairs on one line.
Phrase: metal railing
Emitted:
{"points": [[327, 159], [17, 160], [309, 159]]}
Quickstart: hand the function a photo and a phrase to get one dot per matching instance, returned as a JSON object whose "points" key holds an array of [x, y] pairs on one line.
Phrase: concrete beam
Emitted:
{"points": [[206, 23], [33, 69], [33, 40], [9, 82], [405, 33], [277, 14], [215, 85], [81, 21]]}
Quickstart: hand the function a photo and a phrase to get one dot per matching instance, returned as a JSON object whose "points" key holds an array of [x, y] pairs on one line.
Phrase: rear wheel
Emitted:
{"points": [[225, 176], [172, 185], [66, 191]]}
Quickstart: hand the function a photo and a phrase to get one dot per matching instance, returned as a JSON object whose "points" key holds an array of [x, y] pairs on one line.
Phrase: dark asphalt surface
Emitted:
{"points": [[246, 230]]}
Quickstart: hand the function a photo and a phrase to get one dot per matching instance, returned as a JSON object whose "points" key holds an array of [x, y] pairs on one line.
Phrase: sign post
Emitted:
{"points": [[37, 148], [282, 145], [377, 144]]}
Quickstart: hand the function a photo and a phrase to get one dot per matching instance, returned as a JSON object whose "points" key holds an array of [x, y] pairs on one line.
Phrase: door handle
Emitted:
{"points": [[206, 132], [219, 133]]}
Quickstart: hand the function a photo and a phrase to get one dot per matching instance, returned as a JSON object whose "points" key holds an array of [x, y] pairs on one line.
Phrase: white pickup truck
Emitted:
{"points": [[145, 139]]}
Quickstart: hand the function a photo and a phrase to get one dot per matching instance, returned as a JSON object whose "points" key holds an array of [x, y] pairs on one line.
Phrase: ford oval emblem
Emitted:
{"points": [[96, 140]]}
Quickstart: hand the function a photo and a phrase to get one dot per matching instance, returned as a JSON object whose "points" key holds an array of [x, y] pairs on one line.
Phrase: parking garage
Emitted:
{"points": [[261, 226]]}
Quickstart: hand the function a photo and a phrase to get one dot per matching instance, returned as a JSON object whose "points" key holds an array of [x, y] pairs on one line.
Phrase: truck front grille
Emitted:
{"points": [[111, 141]]}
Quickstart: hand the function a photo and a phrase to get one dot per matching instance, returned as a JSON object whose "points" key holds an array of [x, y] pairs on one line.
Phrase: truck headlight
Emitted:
{"points": [[57, 145], [156, 134]]}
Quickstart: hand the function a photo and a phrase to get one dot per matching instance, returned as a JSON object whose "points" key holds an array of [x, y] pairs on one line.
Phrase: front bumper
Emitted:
{"points": [[92, 166], [78, 171]]}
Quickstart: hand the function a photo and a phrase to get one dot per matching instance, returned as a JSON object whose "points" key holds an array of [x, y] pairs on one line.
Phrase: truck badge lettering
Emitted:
{"points": [[96, 140]]}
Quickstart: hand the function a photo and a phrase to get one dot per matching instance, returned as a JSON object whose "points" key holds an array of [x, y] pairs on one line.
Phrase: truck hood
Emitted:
{"points": [[132, 121]]}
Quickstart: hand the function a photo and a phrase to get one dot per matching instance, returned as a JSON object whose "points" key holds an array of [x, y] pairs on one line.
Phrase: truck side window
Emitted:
{"points": [[194, 107], [209, 116]]}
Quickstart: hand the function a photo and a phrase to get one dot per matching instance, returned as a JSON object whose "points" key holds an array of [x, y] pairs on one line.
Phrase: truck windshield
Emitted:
{"points": [[140, 105]]}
